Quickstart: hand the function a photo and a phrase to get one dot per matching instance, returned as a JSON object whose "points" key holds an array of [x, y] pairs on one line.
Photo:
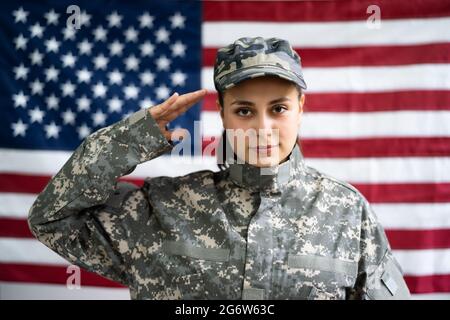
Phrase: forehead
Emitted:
{"points": [[262, 85]]}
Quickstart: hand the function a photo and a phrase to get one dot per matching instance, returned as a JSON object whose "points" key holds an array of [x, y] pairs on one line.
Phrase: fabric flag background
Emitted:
{"points": [[377, 111]]}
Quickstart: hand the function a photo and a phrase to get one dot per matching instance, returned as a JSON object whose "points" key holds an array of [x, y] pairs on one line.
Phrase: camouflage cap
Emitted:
{"points": [[255, 57]]}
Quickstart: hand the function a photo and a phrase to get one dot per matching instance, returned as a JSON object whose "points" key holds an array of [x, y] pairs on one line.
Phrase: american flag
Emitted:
{"points": [[377, 110]]}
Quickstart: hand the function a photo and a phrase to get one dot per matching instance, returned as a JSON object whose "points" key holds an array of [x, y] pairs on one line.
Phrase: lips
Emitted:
{"points": [[264, 148]]}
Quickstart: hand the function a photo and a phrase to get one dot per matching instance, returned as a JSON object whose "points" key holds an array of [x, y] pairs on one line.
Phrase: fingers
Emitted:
{"points": [[182, 104], [160, 109]]}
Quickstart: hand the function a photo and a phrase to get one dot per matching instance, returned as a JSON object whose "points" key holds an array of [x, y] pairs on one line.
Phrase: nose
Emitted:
{"points": [[263, 123]]}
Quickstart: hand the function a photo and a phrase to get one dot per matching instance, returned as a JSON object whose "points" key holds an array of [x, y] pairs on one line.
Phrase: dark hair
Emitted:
{"points": [[221, 148]]}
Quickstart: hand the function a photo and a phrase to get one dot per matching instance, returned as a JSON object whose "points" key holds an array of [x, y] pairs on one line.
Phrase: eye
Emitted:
{"points": [[243, 112], [279, 108]]}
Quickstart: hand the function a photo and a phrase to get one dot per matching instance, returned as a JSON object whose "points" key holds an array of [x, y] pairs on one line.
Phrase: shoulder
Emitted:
{"points": [[331, 182], [194, 180]]}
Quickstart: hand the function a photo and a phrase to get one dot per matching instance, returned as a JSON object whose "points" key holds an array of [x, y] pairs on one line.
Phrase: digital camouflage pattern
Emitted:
{"points": [[293, 233], [255, 57]]}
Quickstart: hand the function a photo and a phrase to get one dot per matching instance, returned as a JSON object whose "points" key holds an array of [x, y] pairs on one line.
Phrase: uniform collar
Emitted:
{"points": [[268, 180]]}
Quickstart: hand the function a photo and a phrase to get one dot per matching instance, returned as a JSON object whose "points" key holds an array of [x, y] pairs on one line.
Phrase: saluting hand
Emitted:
{"points": [[170, 109]]}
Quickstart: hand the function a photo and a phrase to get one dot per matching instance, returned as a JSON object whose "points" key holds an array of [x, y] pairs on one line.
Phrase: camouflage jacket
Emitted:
{"points": [[293, 233]]}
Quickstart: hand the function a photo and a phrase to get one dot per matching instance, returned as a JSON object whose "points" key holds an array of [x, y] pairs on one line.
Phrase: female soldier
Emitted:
{"points": [[253, 230]]}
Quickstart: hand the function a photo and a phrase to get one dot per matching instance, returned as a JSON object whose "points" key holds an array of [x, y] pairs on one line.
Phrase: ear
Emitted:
{"points": [[301, 101]]}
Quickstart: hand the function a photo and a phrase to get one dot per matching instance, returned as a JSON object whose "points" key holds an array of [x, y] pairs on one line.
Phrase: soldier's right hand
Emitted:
{"points": [[173, 107]]}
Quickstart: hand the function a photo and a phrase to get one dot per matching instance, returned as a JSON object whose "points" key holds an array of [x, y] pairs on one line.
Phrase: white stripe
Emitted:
{"points": [[366, 79], [331, 34], [15, 205], [413, 262], [431, 296], [357, 170], [357, 124], [13, 250], [424, 262], [419, 216], [385, 170], [28, 291]]}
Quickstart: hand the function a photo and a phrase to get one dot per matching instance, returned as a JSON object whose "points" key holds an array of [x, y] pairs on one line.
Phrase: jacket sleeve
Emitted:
{"points": [[379, 274], [83, 214]]}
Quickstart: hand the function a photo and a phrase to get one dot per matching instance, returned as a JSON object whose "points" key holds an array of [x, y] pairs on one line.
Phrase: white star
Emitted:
{"points": [[69, 60], [52, 17], [51, 74], [162, 63], [20, 15], [178, 78], [68, 117], [147, 78], [162, 35], [52, 45], [99, 118], [162, 92], [131, 35], [36, 87], [177, 20], [146, 20], [99, 90], [36, 58], [69, 33], [100, 34], [178, 49], [68, 89], [21, 72], [115, 77], [100, 62], [85, 47], [131, 63], [52, 130], [115, 48], [83, 131], [131, 91], [147, 103], [36, 30], [147, 49], [19, 128], [36, 115], [21, 42], [20, 100], [83, 103], [52, 102], [115, 104], [84, 75], [114, 19], [85, 19]]}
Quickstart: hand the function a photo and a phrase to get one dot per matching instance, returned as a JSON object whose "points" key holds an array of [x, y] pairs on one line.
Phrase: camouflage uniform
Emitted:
{"points": [[290, 233]]}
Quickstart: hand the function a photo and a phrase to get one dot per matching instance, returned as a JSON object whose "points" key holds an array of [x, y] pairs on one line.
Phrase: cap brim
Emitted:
{"points": [[254, 72]]}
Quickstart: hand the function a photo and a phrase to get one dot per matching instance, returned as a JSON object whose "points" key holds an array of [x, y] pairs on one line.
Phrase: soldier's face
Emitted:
{"points": [[262, 117]]}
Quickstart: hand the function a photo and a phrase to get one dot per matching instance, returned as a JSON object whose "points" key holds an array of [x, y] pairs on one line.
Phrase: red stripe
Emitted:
{"points": [[26, 183], [405, 192], [321, 11], [367, 147], [58, 275], [14, 228], [50, 274], [376, 192], [428, 284], [362, 56], [419, 239], [364, 102]]}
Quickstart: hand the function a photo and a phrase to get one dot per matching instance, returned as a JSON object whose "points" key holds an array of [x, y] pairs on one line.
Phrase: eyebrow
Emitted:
{"points": [[245, 102]]}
